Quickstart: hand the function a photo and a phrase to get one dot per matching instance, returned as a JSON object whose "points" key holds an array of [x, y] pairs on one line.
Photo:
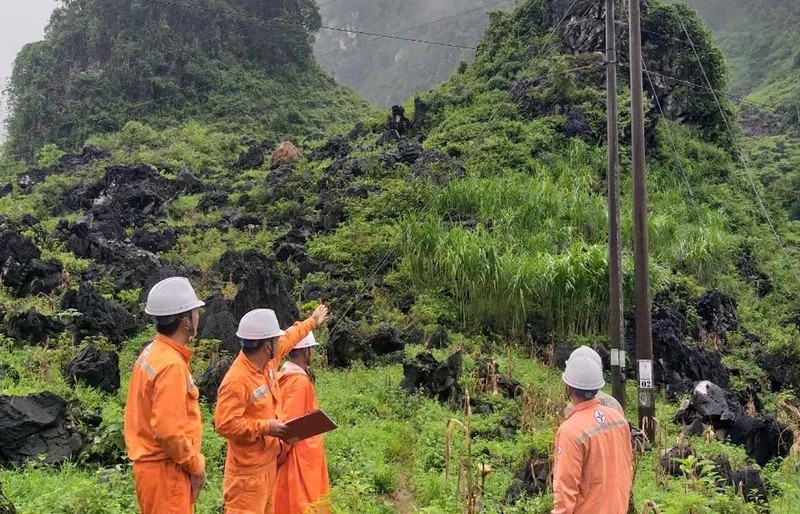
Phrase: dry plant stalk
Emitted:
{"points": [[650, 508], [470, 494]]}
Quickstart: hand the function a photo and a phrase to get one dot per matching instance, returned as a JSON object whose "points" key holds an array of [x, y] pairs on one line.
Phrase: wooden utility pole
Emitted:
{"points": [[644, 338], [614, 237]]}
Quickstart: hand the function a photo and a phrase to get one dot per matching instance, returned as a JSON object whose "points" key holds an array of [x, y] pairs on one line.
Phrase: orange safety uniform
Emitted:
{"points": [[592, 472], [302, 485], [247, 400], [163, 428]]}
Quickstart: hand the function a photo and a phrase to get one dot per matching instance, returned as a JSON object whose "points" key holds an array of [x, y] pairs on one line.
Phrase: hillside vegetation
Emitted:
{"points": [[241, 65], [461, 244], [762, 44]]}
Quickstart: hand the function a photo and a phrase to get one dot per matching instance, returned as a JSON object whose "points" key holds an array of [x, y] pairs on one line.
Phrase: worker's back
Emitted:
{"points": [[593, 462]]}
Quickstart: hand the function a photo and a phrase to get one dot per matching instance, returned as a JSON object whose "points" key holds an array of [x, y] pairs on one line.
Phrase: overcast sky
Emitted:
{"points": [[21, 22]]}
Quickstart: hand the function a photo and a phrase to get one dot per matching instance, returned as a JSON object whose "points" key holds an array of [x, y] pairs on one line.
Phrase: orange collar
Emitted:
{"points": [[590, 404], [182, 350]]}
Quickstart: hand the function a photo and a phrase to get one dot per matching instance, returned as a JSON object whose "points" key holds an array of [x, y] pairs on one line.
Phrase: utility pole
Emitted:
{"points": [[614, 238], [644, 338]]}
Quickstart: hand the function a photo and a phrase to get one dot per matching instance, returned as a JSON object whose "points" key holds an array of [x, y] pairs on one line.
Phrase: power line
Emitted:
{"points": [[326, 27], [426, 24], [472, 147], [739, 153], [182, 91], [366, 70]]}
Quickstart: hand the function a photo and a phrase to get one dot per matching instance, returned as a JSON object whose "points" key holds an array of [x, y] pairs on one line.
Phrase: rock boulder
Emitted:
{"points": [[94, 367], [36, 425]]}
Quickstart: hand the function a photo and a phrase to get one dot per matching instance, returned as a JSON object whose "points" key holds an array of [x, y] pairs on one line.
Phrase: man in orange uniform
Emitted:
{"points": [[302, 485], [592, 472], [249, 411], [162, 416]]}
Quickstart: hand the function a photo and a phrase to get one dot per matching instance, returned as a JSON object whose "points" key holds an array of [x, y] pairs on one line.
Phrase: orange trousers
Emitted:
{"points": [[249, 494], [162, 487]]}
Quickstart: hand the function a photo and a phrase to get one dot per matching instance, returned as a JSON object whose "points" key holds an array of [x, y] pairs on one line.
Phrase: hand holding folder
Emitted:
{"points": [[314, 423]]}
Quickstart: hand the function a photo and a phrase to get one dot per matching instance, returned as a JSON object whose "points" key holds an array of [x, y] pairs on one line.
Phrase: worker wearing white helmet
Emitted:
{"points": [[592, 471], [302, 484], [604, 398], [162, 416], [249, 413]]}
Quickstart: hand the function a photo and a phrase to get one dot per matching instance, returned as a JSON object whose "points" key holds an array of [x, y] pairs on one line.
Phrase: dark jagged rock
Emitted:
{"points": [[335, 292], [187, 182], [234, 265], [266, 287], [438, 167], [764, 437], [5, 189], [782, 371], [244, 221], [250, 159], [677, 365], [35, 425], [283, 183], [748, 269], [708, 399], [131, 266], [209, 381], [357, 132], [32, 326], [407, 152], [396, 127], [577, 125], [341, 172], [331, 212], [413, 335], [134, 192], [718, 312], [386, 339], [362, 190], [99, 316], [346, 345], [336, 148], [420, 113], [439, 339], [154, 241], [30, 178], [212, 200], [532, 479], [94, 367], [750, 484], [219, 323], [20, 267], [436, 379], [668, 458]]}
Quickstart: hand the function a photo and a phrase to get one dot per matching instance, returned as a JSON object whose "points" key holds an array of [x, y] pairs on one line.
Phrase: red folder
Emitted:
{"points": [[314, 423]]}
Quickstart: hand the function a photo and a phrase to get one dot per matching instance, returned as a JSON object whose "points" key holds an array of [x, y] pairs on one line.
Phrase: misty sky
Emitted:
{"points": [[21, 21]]}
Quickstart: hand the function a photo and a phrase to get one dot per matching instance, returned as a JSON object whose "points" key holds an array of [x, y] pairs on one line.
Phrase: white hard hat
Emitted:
{"points": [[307, 342], [588, 352], [259, 324], [172, 296], [583, 373]]}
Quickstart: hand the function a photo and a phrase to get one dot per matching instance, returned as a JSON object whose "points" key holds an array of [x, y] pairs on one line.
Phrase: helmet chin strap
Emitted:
{"points": [[191, 328]]}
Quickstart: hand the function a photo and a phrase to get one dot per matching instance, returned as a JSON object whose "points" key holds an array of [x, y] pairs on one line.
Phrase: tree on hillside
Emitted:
{"points": [[103, 62]]}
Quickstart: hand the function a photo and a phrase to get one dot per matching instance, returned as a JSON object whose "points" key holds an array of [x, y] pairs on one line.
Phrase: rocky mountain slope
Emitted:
{"points": [[762, 45], [460, 240], [242, 65]]}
